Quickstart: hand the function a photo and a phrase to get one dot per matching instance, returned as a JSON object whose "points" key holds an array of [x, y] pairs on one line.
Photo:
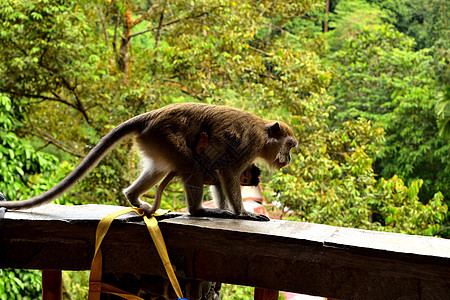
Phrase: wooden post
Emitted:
{"points": [[265, 294], [51, 285]]}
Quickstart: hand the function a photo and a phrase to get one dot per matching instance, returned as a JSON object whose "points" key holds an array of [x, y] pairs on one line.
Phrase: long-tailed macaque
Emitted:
{"points": [[167, 137]]}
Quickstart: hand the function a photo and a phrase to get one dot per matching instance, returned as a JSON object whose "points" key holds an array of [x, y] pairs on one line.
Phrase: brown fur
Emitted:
{"points": [[167, 138]]}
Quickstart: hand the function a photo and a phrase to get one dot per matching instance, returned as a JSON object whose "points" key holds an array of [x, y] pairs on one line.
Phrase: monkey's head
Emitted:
{"points": [[280, 141]]}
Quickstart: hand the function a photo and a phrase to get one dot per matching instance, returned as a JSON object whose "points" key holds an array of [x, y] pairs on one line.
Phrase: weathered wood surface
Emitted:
{"points": [[279, 255]]}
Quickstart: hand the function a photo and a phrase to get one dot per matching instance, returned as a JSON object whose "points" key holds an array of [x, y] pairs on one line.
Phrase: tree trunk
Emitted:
{"points": [[125, 43], [327, 9]]}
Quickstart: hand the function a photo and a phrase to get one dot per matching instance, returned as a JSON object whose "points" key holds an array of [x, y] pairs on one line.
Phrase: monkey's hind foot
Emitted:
{"points": [[253, 216], [214, 213], [148, 210], [225, 214]]}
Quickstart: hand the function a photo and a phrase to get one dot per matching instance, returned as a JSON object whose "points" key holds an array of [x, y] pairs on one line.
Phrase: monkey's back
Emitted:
{"points": [[177, 127]]}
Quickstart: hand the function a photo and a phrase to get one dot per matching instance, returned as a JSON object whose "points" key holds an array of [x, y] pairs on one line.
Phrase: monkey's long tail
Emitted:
{"points": [[132, 126]]}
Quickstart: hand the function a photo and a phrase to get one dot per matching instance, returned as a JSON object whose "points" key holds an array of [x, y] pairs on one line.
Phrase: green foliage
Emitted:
{"points": [[424, 20], [20, 284], [401, 210], [351, 17], [75, 284], [443, 113], [36, 62], [381, 78], [21, 166], [58, 76], [234, 292]]}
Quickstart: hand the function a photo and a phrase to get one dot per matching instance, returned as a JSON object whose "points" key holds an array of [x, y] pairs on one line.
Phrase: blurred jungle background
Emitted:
{"points": [[364, 84]]}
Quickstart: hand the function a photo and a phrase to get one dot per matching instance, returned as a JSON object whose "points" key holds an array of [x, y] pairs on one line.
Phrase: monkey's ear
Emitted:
{"points": [[273, 129]]}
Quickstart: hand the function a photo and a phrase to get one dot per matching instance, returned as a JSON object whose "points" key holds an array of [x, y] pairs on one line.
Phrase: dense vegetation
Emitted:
{"points": [[365, 87]]}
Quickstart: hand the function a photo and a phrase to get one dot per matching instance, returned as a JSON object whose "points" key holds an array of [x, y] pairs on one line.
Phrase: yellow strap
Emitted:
{"points": [[118, 292], [155, 232], [95, 284]]}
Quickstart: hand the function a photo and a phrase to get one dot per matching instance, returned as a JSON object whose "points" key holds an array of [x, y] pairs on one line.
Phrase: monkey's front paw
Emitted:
{"points": [[253, 216]]}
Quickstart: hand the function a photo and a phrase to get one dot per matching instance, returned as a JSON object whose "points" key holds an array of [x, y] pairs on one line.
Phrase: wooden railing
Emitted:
{"points": [[307, 258]]}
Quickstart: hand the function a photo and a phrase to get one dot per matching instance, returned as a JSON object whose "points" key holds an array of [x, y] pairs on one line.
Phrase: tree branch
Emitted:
{"points": [[259, 50], [140, 19], [58, 99], [102, 21], [184, 89], [42, 134], [262, 75], [40, 148], [79, 105], [169, 23], [442, 229], [282, 29], [158, 31], [114, 42]]}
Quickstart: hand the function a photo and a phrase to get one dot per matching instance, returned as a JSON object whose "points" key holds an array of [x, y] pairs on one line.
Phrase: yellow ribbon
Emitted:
{"points": [[95, 284]]}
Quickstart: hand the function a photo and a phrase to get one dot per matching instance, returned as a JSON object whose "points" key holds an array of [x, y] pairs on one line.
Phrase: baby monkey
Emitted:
{"points": [[169, 139]]}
